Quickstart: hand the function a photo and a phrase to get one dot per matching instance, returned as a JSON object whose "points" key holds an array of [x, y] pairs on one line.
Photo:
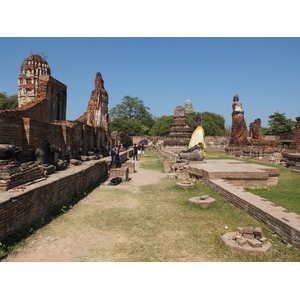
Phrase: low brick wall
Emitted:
{"points": [[130, 165], [20, 208], [122, 172], [277, 218]]}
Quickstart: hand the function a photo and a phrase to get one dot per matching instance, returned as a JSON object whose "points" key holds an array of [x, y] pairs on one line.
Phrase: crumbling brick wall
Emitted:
{"points": [[17, 211], [30, 134]]}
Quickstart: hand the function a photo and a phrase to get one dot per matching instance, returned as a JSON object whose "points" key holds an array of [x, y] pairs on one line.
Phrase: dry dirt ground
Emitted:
{"points": [[50, 245]]}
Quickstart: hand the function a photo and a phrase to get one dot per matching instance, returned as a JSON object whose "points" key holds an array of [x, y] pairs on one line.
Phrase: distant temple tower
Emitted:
{"points": [[35, 83], [238, 128], [180, 132], [28, 82], [188, 106]]}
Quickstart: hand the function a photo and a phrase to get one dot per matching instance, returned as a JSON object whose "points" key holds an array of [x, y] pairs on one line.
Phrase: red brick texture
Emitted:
{"points": [[18, 209]]}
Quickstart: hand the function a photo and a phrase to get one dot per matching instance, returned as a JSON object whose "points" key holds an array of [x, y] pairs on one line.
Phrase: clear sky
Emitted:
{"points": [[166, 71]]}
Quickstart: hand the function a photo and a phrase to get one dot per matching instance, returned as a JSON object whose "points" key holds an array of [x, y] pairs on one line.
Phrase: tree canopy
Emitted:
{"points": [[131, 116], [213, 124], [131, 108], [8, 102], [162, 126], [279, 124]]}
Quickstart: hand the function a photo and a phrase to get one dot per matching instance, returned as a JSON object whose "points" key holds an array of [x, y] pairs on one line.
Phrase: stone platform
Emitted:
{"points": [[235, 172]]}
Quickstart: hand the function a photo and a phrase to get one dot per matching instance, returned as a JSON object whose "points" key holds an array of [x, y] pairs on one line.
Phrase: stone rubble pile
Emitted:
{"points": [[251, 236]]}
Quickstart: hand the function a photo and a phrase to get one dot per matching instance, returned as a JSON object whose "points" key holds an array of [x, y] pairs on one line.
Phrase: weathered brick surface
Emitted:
{"points": [[130, 165], [30, 134], [122, 172], [296, 132], [17, 209]]}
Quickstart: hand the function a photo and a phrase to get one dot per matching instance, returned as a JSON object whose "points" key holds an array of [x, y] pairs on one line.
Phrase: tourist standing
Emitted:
{"points": [[118, 160], [143, 149], [113, 153], [135, 152]]}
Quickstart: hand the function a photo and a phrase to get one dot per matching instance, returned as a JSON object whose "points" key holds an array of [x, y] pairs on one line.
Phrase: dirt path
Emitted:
{"points": [[50, 245]]}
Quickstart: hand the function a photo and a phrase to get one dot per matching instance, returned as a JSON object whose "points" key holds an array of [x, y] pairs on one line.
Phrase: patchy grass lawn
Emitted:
{"points": [[157, 224]]}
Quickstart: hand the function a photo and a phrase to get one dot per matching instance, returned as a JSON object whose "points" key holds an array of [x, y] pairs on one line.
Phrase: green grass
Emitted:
{"points": [[286, 193], [150, 161], [157, 224]]}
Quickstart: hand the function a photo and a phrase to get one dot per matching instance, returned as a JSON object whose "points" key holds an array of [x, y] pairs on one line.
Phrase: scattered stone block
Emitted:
{"points": [[185, 184], [264, 240], [240, 229], [248, 230], [248, 235], [241, 241], [254, 243], [257, 232]]}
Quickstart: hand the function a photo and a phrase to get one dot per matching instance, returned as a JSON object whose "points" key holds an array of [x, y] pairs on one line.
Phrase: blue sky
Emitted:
{"points": [[166, 71]]}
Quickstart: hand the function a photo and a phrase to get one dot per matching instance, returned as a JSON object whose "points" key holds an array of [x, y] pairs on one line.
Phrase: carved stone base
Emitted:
{"points": [[185, 184], [203, 200]]}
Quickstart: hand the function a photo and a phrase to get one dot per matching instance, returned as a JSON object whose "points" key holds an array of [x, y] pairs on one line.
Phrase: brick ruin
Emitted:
{"points": [[295, 145], [256, 145], [255, 130], [96, 115], [238, 128], [180, 132], [38, 128], [37, 87]]}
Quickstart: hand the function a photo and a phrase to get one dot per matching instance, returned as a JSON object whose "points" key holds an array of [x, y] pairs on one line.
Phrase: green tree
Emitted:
{"points": [[131, 116], [162, 126], [131, 108], [129, 127], [213, 124], [279, 124], [8, 102]]}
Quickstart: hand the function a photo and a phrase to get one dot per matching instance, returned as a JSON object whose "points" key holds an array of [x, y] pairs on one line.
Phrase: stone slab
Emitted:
{"points": [[236, 172]]}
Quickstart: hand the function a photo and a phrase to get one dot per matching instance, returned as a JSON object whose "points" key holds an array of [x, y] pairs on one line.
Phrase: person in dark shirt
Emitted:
{"points": [[135, 152], [113, 162]]}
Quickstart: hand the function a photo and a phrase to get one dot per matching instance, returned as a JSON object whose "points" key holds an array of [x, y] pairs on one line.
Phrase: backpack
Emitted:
{"points": [[115, 181]]}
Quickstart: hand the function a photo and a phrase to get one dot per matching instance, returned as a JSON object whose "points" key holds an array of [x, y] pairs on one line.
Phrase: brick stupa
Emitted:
{"points": [[180, 132]]}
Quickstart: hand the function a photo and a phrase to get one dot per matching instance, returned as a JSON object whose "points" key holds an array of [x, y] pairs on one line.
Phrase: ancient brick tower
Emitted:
{"points": [[296, 131], [255, 130], [180, 132], [238, 128], [96, 115], [36, 84]]}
